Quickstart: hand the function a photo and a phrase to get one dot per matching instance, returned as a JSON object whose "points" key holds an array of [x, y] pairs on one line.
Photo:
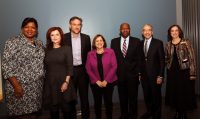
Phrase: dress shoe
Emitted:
{"points": [[146, 115], [177, 115], [183, 116]]}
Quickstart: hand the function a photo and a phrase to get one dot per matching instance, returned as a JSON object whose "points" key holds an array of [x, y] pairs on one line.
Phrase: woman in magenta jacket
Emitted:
{"points": [[101, 67]]}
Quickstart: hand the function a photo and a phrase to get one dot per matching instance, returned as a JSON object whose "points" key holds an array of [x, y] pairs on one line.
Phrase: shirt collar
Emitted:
{"points": [[79, 35]]}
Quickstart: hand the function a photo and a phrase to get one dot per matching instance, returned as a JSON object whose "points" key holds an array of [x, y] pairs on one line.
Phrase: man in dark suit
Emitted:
{"points": [[152, 64], [127, 53], [81, 45]]}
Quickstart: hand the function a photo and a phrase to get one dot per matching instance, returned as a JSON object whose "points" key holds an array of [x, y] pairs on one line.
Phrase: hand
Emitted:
{"points": [[64, 87], [159, 80], [99, 83], [192, 77], [18, 91], [104, 83]]}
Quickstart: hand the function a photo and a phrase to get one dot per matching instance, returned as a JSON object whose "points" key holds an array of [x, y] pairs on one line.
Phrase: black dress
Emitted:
{"points": [[58, 65], [180, 91]]}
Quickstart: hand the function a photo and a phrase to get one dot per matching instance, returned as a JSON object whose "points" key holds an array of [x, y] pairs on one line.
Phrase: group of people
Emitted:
{"points": [[50, 77]]}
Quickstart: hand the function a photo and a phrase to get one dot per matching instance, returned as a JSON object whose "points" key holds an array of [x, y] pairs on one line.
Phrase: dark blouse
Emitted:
{"points": [[100, 66]]}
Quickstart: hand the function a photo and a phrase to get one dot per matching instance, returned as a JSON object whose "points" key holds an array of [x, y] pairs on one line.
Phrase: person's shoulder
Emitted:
{"points": [[66, 34], [39, 41], [66, 47], [13, 39], [92, 52], [83, 34], [108, 50], [134, 38], [157, 40], [115, 39]]}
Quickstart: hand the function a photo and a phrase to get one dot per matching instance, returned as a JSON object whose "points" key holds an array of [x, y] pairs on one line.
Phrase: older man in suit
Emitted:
{"points": [[127, 51], [152, 64], [81, 45]]}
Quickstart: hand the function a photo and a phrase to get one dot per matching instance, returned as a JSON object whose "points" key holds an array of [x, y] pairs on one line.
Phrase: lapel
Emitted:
{"points": [[119, 47], [82, 42], [150, 47], [129, 45]]}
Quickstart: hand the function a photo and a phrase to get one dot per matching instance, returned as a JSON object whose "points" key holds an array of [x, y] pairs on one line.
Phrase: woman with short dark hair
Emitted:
{"points": [[22, 67]]}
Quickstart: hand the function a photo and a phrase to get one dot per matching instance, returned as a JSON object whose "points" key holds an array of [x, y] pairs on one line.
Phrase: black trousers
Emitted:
{"points": [[152, 96], [128, 94], [68, 110], [81, 82], [106, 93]]}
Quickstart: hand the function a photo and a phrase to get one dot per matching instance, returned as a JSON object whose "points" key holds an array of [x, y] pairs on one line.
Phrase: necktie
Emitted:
{"points": [[145, 47], [124, 49]]}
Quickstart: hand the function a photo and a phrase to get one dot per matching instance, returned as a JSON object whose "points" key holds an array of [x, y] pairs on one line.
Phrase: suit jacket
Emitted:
{"points": [[153, 64], [128, 65], [85, 44], [109, 66]]}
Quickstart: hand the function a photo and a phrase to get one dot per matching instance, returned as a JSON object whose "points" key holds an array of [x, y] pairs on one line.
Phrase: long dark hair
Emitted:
{"points": [[49, 44], [181, 35]]}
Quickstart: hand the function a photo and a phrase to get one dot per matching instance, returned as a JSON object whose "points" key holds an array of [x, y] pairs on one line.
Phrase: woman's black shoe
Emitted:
{"points": [[183, 116], [177, 115]]}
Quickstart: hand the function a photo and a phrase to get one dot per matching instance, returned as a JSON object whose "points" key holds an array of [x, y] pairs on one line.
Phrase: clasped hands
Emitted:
{"points": [[102, 84]]}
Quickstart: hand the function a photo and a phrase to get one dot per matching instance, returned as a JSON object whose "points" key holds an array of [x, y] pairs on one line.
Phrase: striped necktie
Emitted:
{"points": [[124, 48]]}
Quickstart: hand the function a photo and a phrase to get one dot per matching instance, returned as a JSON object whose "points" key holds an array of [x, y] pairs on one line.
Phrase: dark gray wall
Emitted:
{"points": [[99, 16]]}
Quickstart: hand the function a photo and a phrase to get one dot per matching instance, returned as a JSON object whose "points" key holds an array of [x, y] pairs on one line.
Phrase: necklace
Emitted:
{"points": [[100, 51]]}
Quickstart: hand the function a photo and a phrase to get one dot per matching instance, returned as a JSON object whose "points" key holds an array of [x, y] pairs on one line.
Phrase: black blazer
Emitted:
{"points": [[128, 66], [85, 44], [153, 65]]}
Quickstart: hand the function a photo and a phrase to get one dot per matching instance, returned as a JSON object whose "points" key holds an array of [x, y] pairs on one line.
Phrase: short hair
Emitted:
{"points": [[28, 20], [147, 25], [75, 17], [49, 44], [181, 35], [94, 40]]}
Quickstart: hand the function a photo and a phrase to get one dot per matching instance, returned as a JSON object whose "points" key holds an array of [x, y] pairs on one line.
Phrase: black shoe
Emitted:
{"points": [[183, 116], [146, 115], [177, 115]]}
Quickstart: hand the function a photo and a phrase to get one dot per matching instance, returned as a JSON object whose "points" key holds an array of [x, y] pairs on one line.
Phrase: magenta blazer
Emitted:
{"points": [[109, 66]]}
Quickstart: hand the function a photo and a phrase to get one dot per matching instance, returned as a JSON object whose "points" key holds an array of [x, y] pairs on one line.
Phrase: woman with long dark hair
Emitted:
{"points": [[181, 73]]}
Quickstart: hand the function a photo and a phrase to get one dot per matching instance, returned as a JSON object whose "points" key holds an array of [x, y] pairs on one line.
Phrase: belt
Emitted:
{"points": [[76, 66]]}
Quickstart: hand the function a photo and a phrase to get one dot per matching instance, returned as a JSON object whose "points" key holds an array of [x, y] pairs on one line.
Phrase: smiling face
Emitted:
{"points": [[29, 30], [147, 31], [99, 43], [55, 37], [125, 30], [174, 32]]}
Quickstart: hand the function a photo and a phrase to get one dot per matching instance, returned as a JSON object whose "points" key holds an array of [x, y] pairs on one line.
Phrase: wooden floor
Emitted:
{"points": [[167, 113]]}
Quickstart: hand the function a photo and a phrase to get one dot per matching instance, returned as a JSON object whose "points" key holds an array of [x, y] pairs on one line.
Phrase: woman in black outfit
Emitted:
{"points": [[59, 92], [181, 72]]}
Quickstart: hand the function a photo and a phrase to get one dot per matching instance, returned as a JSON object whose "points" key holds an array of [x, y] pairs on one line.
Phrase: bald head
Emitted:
{"points": [[125, 30]]}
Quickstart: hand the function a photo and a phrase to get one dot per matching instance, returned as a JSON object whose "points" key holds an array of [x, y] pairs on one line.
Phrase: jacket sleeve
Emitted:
{"points": [[112, 72], [161, 59], [191, 58], [89, 70], [9, 61]]}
